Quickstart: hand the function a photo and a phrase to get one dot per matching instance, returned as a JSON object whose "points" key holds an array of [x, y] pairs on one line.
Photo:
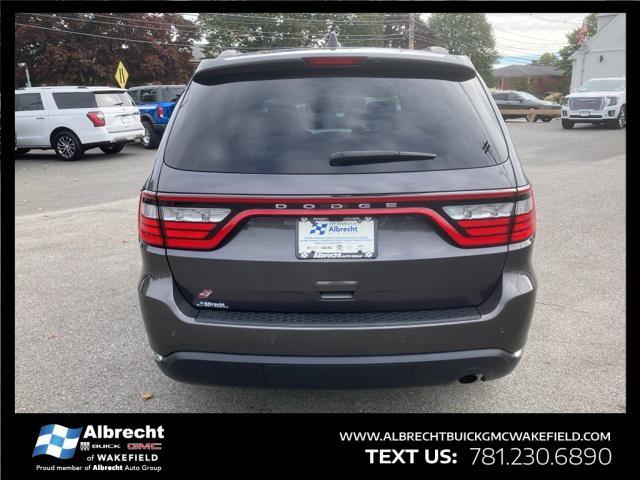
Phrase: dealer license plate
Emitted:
{"points": [[351, 237]]}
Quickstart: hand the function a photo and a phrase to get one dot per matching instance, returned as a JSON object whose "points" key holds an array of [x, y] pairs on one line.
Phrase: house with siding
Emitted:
{"points": [[603, 55], [535, 79]]}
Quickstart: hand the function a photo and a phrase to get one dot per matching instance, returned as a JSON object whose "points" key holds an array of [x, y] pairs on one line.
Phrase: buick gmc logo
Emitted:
{"points": [[334, 206]]}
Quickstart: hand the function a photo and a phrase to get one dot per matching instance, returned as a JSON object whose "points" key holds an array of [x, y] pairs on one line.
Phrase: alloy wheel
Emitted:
{"points": [[66, 146]]}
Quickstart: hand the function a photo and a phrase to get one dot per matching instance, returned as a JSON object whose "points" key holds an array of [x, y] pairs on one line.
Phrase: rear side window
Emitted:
{"points": [[499, 96], [66, 100], [28, 101], [171, 94], [113, 99], [148, 96], [294, 125]]}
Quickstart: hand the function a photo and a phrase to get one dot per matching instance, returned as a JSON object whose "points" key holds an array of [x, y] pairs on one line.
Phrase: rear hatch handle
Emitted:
{"points": [[336, 289]]}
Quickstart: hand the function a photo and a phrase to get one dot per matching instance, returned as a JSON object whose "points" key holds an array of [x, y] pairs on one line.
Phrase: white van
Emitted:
{"points": [[71, 120]]}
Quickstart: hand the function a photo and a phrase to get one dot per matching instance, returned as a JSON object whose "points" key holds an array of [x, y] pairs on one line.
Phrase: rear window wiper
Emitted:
{"points": [[362, 157]]}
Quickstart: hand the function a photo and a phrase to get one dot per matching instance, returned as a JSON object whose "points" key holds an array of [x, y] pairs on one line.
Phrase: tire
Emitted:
{"points": [[111, 149], [21, 151], [545, 119], [67, 146], [151, 139], [621, 121], [567, 124]]}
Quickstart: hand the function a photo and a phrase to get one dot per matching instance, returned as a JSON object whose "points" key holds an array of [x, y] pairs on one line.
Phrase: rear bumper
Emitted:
{"points": [[101, 136], [338, 372], [431, 348]]}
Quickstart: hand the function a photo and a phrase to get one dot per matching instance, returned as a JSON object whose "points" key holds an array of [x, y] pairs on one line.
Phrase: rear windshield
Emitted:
{"points": [[113, 99], [294, 125]]}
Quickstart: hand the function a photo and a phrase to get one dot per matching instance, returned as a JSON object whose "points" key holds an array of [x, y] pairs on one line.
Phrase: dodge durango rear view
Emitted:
{"points": [[336, 217]]}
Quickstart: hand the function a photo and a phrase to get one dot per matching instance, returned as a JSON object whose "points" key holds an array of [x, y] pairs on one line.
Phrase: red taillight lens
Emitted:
{"points": [[487, 224], [177, 226], [524, 225], [97, 118], [333, 61], [160, 111], [148, 221]]}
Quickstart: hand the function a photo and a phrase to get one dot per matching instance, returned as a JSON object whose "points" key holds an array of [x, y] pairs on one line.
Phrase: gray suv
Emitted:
{"points": [[336, 217]]}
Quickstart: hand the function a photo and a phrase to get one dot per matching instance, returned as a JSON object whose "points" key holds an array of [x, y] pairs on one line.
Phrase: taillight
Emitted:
{"points": [[524, 224], [333, 61], [160, 111], [469, 219], [97, 118], [148, 221], [497, 223], [176, 226]]}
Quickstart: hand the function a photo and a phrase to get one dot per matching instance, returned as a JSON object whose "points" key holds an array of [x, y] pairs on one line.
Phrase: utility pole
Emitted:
{"points": [[412, 28], [26, 69]]}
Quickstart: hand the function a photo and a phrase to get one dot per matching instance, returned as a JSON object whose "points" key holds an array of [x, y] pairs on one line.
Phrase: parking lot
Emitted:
{"points": [[81, 345]]}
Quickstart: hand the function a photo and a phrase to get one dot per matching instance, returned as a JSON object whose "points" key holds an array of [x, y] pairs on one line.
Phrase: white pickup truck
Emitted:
{"points": [[599, 100]]}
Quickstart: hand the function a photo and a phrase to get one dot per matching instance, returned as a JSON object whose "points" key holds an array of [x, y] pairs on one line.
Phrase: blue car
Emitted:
{"points": [[156, 103]]}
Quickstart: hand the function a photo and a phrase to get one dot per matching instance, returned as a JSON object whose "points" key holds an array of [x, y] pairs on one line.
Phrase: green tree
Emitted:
{"points": [[546, 58], [565, 52], [249, 31], [467, 34]]}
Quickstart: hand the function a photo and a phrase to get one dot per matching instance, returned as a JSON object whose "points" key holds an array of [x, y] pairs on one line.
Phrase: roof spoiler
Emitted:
{"points": [[295, 66]]}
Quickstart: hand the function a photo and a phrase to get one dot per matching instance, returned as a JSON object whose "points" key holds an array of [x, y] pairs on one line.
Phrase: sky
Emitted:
{"points": [[522, 37]]}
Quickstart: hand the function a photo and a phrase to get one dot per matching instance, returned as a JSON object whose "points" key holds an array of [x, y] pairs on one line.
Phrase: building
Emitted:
{"points": [[604, 54], [536, 79]]}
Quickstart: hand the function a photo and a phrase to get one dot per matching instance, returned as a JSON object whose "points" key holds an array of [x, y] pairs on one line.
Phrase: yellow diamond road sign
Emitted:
{"points": [[122, 75]]}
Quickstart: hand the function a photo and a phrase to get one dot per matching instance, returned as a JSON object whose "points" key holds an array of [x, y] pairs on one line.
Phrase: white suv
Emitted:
{"points": [[599, 100], [74, 119]]}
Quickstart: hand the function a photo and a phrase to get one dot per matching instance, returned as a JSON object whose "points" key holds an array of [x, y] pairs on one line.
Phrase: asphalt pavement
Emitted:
{"points": [[81, 345]]}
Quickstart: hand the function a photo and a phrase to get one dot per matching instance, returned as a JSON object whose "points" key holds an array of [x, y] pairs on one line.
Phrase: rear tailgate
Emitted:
{"points": [[248, 161], [120, 113]]}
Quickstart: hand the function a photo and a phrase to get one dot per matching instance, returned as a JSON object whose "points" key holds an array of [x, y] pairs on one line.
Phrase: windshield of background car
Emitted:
{"points": [[602, 84], [113, 99], [528, 96], [292, 126]]}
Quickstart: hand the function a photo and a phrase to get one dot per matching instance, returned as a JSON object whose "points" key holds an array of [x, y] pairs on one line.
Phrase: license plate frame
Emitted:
{"points": [[328, 247], [584, 113]]}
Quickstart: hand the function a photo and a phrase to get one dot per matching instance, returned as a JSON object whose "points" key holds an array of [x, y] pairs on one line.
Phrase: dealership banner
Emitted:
{"points": [[160, 445]]}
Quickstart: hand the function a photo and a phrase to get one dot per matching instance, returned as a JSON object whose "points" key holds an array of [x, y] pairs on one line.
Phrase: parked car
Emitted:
{"points": [[71, 120], [336, 217], [507, 100], [599, 101], [156, 103]]}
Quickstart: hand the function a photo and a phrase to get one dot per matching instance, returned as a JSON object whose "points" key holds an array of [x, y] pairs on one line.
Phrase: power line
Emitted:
{"points": [[301, 20], [77, 19], [554, 19], [174, 29], [168, 44], [518, 34], [105, 36]]}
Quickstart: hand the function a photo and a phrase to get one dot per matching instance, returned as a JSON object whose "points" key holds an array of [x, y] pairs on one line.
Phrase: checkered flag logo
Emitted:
{"points": [[318, 228], [57, 441]]}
